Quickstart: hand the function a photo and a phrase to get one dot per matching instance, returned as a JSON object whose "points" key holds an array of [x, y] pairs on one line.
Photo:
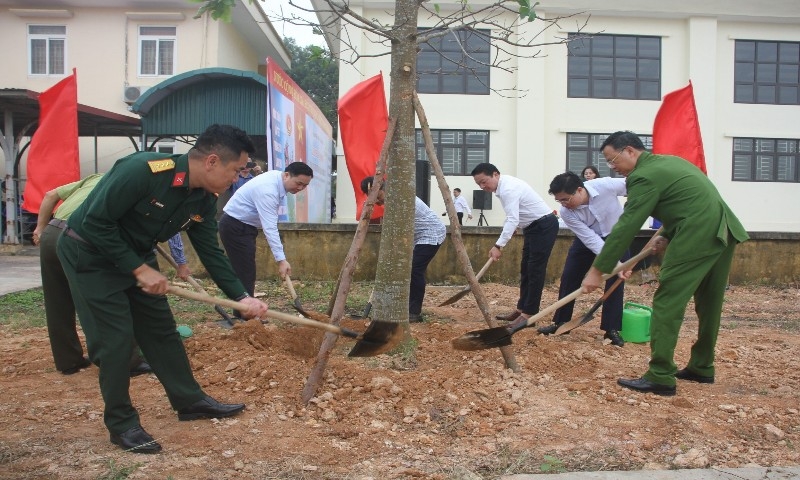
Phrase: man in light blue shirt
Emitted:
{"points": [[255, 205], [590, 209]]}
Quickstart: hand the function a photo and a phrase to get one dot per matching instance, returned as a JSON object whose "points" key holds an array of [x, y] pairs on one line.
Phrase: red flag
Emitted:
{"points": [[363, 120], [676, 130], [53, 160]]}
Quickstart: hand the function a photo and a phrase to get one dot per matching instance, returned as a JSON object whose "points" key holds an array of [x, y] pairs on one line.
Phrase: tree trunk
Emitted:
{"points": [[393, 275]]}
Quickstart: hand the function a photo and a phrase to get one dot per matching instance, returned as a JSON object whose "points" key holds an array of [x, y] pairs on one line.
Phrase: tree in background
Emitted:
{"points": [[315, 71]]}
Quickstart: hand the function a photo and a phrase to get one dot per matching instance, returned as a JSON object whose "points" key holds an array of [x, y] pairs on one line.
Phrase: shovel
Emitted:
{"points": [[194, 283], [299, 307], [458, 296], [368, 306], [587, 317], [501, 336], [372, 342]]}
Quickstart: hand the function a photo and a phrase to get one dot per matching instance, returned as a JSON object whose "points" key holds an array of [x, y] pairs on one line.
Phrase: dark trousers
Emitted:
{"points": [[113, 311], [423, 254], [538, 240], [579, 260], [60, 309], [239, 240], [460, 216]]}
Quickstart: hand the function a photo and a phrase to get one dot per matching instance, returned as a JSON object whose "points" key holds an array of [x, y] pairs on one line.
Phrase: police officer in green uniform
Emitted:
{"points": [[702, 233], [107, 254]]}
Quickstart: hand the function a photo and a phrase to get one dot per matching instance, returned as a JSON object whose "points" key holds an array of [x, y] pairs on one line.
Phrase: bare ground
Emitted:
{"points": [[431, 413]]}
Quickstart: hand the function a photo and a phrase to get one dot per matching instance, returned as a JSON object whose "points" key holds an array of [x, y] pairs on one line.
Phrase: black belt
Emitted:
{"points": [[544, 217], [62, 224], [73, 234]]}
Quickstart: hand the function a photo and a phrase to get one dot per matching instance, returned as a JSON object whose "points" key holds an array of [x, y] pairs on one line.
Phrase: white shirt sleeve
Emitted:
{"points": [[267, 203], [466, 205], [510, 200]]}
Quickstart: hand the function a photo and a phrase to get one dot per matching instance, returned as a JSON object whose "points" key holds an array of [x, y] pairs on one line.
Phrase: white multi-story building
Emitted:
{"points": [[120, 48], [743, 59]]}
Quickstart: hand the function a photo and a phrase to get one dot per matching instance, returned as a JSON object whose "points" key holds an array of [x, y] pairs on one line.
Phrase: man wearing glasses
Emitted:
{"points": [[702, 232], [590, 209]]}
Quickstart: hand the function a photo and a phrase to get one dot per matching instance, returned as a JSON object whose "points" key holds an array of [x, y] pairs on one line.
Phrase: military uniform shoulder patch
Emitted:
{"points": [[162, 165]]}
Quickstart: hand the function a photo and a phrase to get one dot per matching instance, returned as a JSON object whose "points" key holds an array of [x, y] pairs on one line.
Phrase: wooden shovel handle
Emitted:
{"points": [[628, 264], [174, 265], [290, 286], [485, 267], [225, 302]]}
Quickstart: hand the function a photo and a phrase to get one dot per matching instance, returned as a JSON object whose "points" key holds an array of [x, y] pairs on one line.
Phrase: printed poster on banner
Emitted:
{"points": [[297, 131]]}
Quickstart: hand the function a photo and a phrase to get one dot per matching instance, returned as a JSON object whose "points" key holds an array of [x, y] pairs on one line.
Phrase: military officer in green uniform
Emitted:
{"points": [[107, 254], [700, 235]]}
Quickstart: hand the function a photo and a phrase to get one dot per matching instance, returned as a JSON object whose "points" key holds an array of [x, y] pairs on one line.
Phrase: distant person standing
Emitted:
{"points": [[590, 172], [702, 233], [244, 176], [255, 205], [461, 206], [527, 210]]}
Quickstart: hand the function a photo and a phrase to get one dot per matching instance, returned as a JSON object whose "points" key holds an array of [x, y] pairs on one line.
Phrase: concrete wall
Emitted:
{"points": [[317, 252]]}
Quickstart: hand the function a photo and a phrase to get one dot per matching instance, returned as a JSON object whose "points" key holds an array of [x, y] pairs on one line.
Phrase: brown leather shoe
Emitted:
{"points": [[509, 317]]}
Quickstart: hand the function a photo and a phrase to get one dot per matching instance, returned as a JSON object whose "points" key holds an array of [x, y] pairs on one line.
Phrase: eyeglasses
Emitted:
{"points": [[613, 161], [564, 201]]}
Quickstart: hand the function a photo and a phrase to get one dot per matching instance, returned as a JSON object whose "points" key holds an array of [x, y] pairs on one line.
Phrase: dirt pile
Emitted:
{"points": [[432, 412]]}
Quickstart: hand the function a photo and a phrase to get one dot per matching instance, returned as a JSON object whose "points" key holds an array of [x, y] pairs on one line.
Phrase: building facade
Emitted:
{"points": [[120, 48], [743, 60]]}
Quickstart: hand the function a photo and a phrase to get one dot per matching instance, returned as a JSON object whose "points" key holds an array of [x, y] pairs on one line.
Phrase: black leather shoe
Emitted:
{"points": [[85, 363], [209, 408], [141, 369], [615, 338], [686, 374], [646, 386], [136, 440], [509, 317], [548, 329]]}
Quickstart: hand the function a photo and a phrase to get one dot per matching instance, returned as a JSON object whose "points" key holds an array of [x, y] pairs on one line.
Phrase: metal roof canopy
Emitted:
{"points": [[186, 104], [24, 107]]}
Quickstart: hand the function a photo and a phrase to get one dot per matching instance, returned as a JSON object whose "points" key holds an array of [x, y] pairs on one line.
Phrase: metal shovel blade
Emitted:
{"points": [[380, 337], [482, 339], [463, 293]]}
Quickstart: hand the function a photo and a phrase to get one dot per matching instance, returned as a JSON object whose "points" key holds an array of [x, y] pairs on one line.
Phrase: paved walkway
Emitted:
{"points": [[747, 473], [21, 272]]}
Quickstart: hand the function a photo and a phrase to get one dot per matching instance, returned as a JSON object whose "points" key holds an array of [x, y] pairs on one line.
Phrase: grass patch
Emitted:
{"points": [[118, 472], [23, 309]]}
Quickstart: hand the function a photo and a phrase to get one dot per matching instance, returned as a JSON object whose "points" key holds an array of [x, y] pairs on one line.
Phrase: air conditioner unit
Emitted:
{"points": [[130, 93]]}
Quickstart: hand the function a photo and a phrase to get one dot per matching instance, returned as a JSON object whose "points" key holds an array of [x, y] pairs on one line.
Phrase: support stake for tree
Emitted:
{"points": [[455, 235], [339, 299]]}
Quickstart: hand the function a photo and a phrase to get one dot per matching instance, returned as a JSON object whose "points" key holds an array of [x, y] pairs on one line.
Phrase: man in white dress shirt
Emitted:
{"points": [[255, 205], [527, 210], [461, 206], [590, 209]]}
